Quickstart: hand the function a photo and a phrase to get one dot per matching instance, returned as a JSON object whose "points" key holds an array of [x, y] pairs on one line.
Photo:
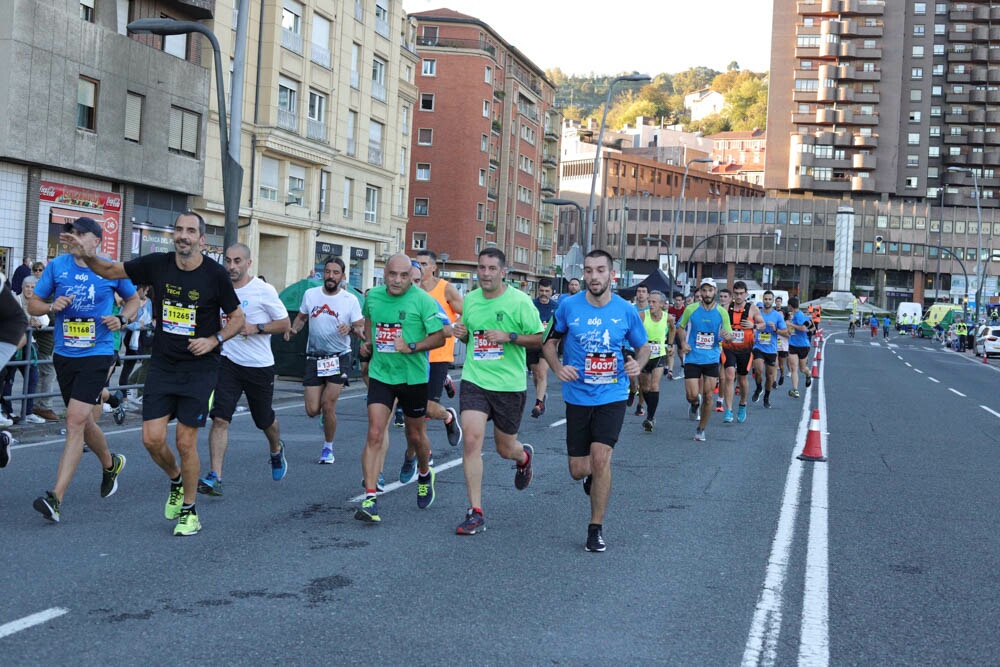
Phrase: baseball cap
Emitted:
{"points": [[85, 225], [707, 281]]}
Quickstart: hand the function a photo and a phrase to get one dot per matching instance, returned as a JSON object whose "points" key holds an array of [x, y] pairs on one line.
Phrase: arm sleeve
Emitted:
{"points": [[727, 325], [273, 306], [557, 325], [686, 315]]}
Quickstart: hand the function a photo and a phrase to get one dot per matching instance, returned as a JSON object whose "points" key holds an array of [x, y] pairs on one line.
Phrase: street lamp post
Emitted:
{"points": [[232, 172], [597, 154], [677, 208], [979, 245], [556, 201]]}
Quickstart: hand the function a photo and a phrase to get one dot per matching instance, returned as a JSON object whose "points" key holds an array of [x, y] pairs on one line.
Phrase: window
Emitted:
{"points": [[133, 117], [324, 191], [404, 119], [919, 8], [524, 194], [420, 205], [916, 95], [528, 133], [403, 161], [296, 185], [912, 182], [427, 101], [429, 67], [939, 49], [425, 136], [319, 51], [939, 28], [424, 171], [941, 8], [482, 178], [348, 194], [381, 18], [526, 164], [184, 128], [486, 108], [480, 211], [916, 73], [268, 179], [372, 194], [484, 143], [291, 26], [378, 79], [400, 202], [175, 45], [912, 160], [935, 111], [317, 106], [913, 138], [488, 74], [419, 240], [917, 52], [355, 59], [288, 93], [87, 10], [934, 151], [914, 116], [375, 132], [918, 30], [352, 132], [430, 35]]}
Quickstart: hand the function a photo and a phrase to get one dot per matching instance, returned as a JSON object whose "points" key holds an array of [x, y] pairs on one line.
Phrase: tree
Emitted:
{"points": [[709, 125], [692, 79], [572, 112], [746, 104]]}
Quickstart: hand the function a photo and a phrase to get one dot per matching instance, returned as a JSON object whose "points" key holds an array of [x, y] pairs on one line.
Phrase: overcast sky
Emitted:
{"points": [[650, 36]]}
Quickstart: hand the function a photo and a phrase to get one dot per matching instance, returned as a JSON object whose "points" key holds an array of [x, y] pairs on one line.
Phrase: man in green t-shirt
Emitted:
{"points": [[498, 323], [401, 325]]}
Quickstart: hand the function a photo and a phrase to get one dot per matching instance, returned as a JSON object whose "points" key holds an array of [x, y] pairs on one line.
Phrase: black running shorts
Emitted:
{"points": [[412, 397], [256, 383], [184, 394], [505, 408], [82, 378], [587, 424]]}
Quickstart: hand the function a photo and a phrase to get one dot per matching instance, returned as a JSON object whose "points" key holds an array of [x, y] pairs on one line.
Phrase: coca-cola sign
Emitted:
{"points": [[71, 195]]}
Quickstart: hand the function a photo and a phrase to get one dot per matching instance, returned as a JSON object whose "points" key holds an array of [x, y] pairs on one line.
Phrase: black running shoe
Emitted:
{"points": [[647, 425], [756, 394], [767, 400], [453, 428], [587, 481], [48, 506], [522, 476], [809, 380], [694, 409], [781, 380], [595, 541], [449, 386], [5, 441], [109, 480], [398, 421]]}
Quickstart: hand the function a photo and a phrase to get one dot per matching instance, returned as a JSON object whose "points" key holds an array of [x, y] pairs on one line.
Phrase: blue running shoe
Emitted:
{"points": [[210, 485], [279, 465], [408, 470], [727, 417], [741, 414]]}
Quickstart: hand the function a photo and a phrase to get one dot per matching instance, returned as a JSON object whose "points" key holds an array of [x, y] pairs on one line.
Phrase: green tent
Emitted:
{"points": [[289, 357]]}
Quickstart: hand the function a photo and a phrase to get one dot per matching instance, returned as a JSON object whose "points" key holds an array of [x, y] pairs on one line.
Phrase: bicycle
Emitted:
{"points": [[850, 329]]}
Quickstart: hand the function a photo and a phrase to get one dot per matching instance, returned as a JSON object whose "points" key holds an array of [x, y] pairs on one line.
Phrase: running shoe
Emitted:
{"points": [[699, 434], [809, 380], [408, 470], [453, 428], [647, 425], [522, 476], [756, 394], [694, 409], [774, 384], [631, 398], [48, 506], [719, 406], [379, 484], [425, 489], [327, 456], [741, 414], [109, 480], [449, 386], [639, 411], [670, 375], [33, 419], [398, 419], [368, 511], [187, 523], [175, 501], [117, 403], [539, 408], [794, 393], [5, 441], [767, 401], [430, 459], [279, 464], [781, 380], [474, 523], [210, 485], [727, 417], [595, 541], [587, 482]]}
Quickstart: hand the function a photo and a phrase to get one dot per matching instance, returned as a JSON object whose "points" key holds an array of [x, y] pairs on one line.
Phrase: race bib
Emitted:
{"points": [[737, 335], [328, 367], [704, 340], [765, 338], [178, 318], [654, 350], [484, 350], [600, 368], [79, 332], [386, 334]]}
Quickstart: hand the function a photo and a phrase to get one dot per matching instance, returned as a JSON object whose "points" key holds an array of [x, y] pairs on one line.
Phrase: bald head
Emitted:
{"points": [[238, 264], [397, 274]]}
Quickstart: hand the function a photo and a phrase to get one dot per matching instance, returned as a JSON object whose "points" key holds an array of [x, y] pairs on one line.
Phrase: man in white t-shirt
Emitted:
{"points": [[247, 367], [333, 315]]}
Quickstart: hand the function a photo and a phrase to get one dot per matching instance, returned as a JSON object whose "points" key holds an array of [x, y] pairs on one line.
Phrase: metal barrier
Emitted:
{"points": [[24, 395]]}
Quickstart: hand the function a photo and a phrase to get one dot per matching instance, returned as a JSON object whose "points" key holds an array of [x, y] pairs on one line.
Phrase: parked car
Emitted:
{"points": [[988, 341]]}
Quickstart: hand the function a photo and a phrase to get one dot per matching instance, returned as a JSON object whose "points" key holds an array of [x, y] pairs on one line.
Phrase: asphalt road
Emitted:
{"points": [[724, 552]]}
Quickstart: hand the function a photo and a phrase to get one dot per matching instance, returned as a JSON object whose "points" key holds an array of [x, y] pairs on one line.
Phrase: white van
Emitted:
{"points": [[908, 315], [756, 296]]}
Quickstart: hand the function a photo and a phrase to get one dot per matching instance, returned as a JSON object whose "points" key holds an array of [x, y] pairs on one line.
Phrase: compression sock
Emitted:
{"points": [[652, 401]]}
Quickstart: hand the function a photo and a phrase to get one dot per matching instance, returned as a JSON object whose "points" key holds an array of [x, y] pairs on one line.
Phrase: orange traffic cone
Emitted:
{"points": [[985, 360], [815, 369], [819, 353], [813, 450]]}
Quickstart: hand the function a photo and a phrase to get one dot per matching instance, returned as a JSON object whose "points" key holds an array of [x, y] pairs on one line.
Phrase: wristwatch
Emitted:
{"points": [[219, 338], [513, 337], [260, 329], [413, 347], [121, 319]]}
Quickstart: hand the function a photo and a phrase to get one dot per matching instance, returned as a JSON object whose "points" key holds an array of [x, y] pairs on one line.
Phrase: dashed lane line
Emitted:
{"points": [[992, 412], [557, 423], [934, 380], [908, 364], [956, 391], [918, 370], [8, 629]]}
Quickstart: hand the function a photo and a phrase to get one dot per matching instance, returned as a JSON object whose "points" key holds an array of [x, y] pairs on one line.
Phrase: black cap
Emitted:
{"points": [[85, 225]]}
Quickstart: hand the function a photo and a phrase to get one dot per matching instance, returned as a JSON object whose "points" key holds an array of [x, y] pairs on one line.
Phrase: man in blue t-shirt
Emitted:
{"points": [[81, 306], [798, 345], [765, 349], [703, 326], [539, 368], [594, 326]]}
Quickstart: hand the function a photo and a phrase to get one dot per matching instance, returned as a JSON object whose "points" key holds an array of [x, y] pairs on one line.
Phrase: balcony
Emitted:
{"points": [[977, 137], [547, 214], [319, 55], [861, 184], [551, 133], [864, 7], [315, 130], [868, 75], [525, 80], [287, 120], [493, 190], [375, 153], [826, 94], [828, 49], [956, 140], [865, 142], [977, 116], [528, 110], [845, 116], [803, 159], [961, 56], [960, 15], [863, 161], [382, 27], [453, 43], [550, 159], [378, 90], [958, 77], [952, 97], [545, 243], [862, 98], [291, 41], [957, 119], [825, 116], [548, 186], [863, 119], [800, 182]]}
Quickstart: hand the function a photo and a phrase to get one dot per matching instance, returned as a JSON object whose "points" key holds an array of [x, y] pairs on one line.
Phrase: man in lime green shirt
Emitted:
{"points": [[498, 323], [401, 325]]}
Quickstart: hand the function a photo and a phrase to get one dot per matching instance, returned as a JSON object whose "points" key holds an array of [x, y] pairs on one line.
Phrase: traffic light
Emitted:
{"points": [[878, 244]]}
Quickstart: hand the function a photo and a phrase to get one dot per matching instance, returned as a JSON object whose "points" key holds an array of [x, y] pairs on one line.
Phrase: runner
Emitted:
{"points": [[333, 314], [247, 367], [765, 349], [798, 345], [84, 349], [676, 310], [536, 364], [738, 354], [595, 326], [784, 363], [658, 327], [641, 304], [573, 286], [13, 322], [500, 321], [401, 325], [725, 298], [189, 289], [702, 326], [441, 358]]}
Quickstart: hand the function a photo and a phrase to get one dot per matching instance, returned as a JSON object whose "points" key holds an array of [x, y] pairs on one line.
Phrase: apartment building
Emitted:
{"points": [[891, 102], [327, 114], [486, 150], [739, 154], [95, 122]]}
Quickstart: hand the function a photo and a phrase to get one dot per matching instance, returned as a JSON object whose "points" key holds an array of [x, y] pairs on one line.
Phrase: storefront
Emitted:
{"points": [[60, 203]]}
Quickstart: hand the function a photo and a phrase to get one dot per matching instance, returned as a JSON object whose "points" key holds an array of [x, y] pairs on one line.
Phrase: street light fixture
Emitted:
{"points": [[633, 78], [979, 247], [556, 201], [673, 236], [232, 172]]}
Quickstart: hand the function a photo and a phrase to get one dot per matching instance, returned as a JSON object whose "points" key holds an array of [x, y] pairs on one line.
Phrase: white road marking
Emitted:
{"points": [[814, 637], [908, 364], [919, 371], [875, 344], [396, 485], [892, 345], [558, 423], [992, 412], [956, 391], [933, 380], [927, 347], [8, 629], [837, 340]]}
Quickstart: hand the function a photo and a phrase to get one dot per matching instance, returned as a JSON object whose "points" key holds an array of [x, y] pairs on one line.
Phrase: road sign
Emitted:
{"points": [[863, 299]]}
